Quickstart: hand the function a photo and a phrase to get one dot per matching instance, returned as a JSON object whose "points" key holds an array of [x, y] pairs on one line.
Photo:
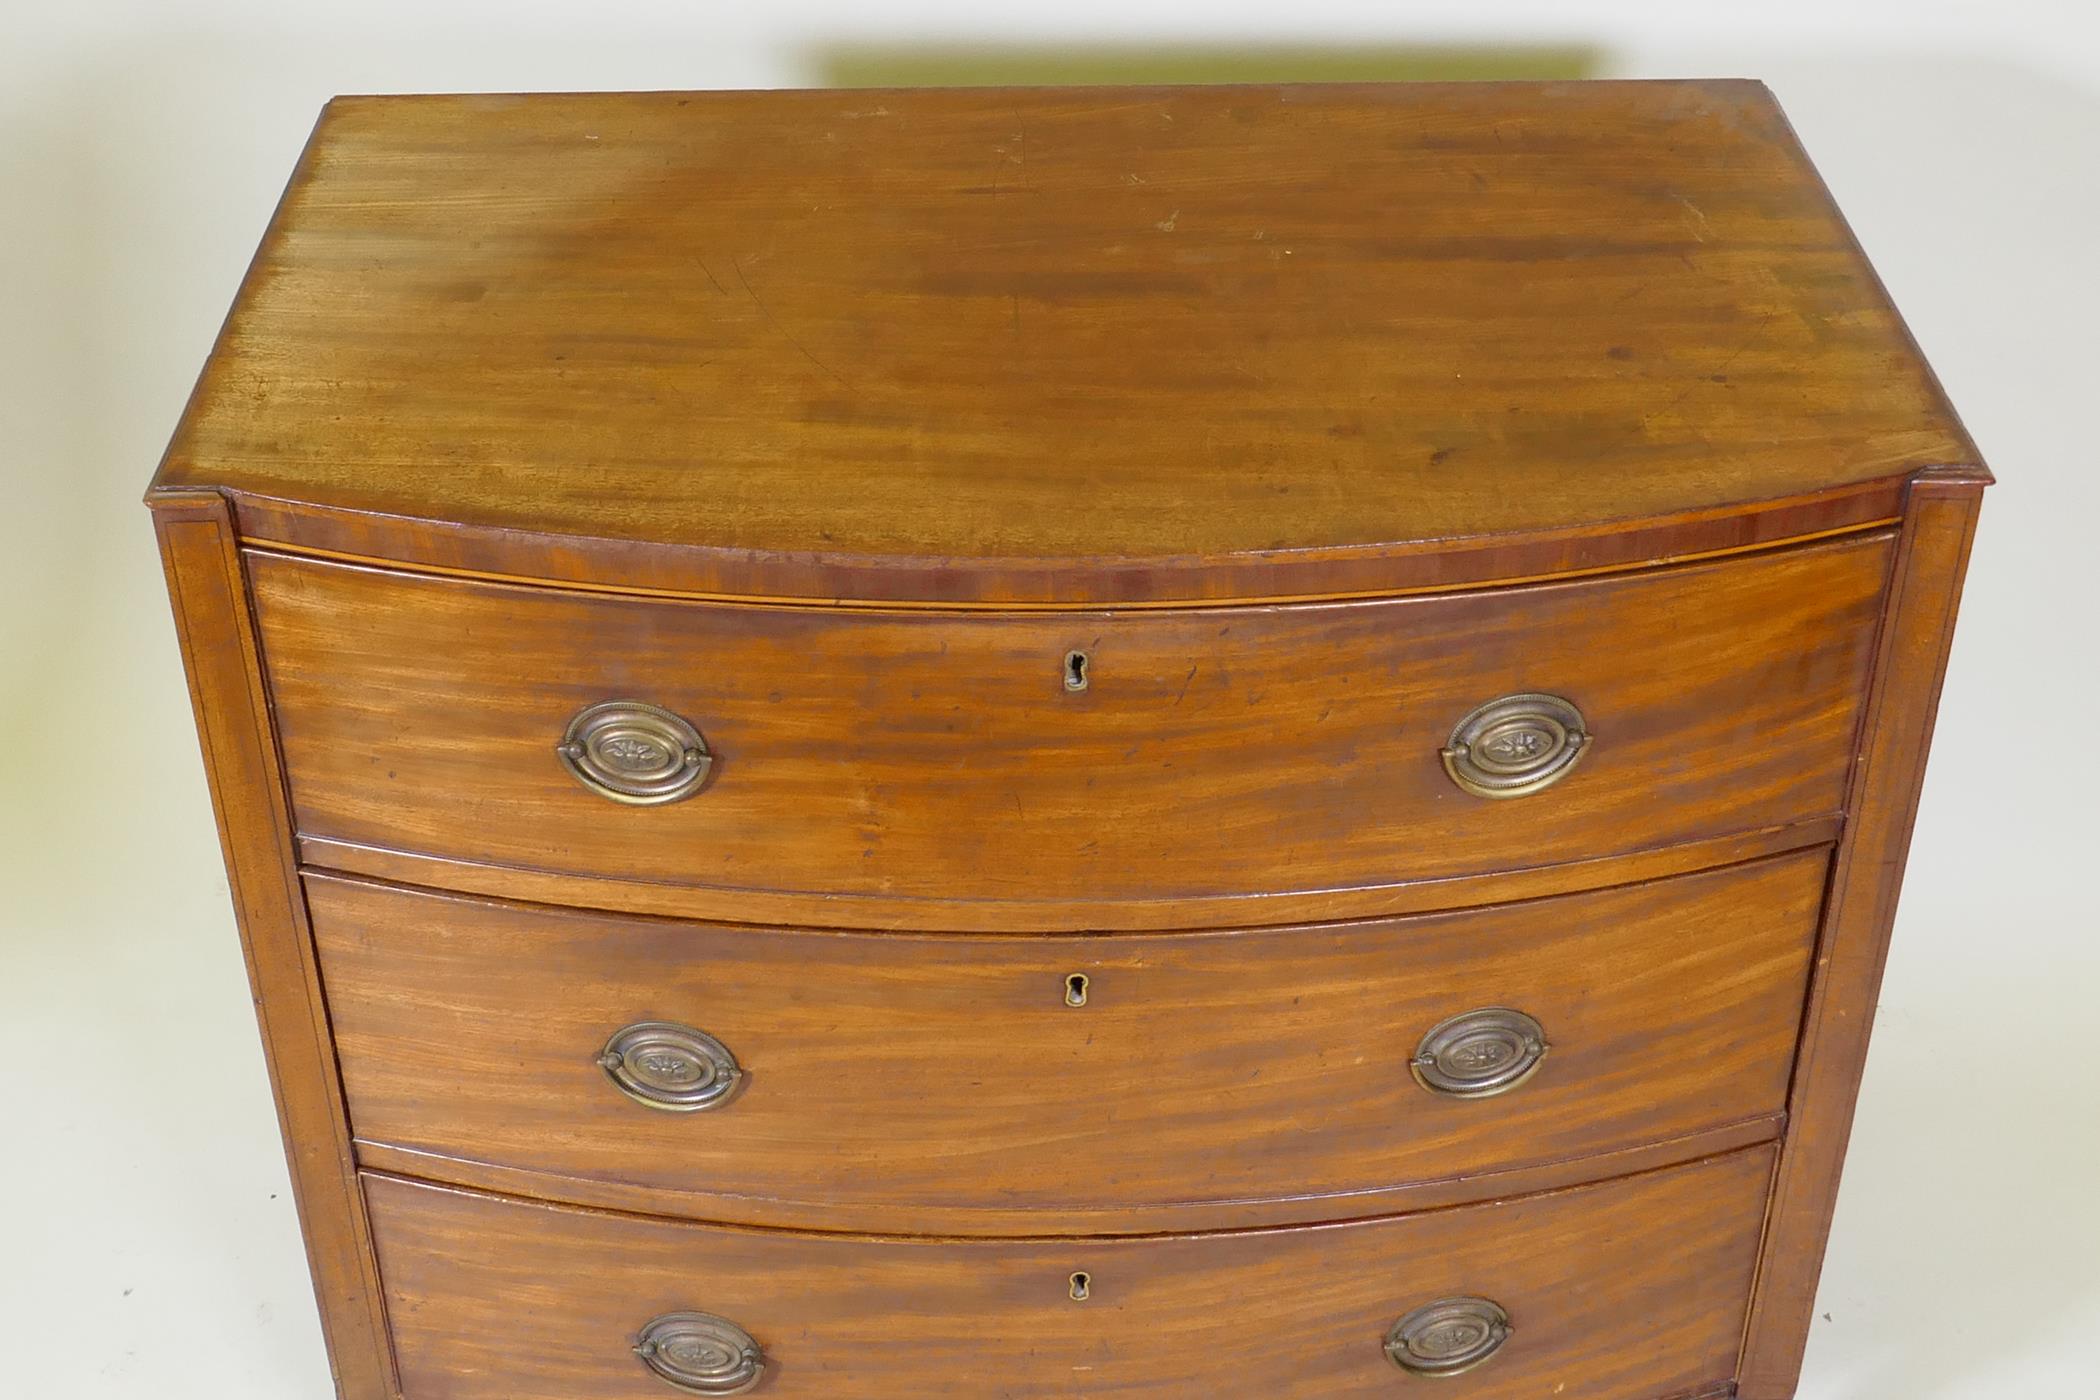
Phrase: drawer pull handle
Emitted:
{"points": [[1448, 1337], [634, 753], [662, 1064], [701, 1354], [1480, 1054], [1516, 746]]}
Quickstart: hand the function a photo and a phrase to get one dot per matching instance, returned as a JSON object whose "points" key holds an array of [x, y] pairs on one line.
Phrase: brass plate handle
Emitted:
{"points": [[634, 753], [1448, 1337], [661, 1064], [701, 1354], [1516, 746], [1480, 1054]]}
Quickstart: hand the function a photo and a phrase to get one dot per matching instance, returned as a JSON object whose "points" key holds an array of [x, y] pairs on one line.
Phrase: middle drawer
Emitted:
{"points": [[1108, 1082]]}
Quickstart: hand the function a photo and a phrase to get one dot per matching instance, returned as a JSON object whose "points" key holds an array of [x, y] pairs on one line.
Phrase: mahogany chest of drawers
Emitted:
{"points": [[1168, 742]]}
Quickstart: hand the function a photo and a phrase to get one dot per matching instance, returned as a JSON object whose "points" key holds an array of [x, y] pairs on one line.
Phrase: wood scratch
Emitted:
{"points": [[767, 312], [1017, 158], [1021, 181], [1756, 334], [1705, 226]]}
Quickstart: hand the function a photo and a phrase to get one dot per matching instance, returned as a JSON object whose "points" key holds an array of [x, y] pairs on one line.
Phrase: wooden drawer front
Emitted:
{"points": [[1630, 1290], [940, 756], [900, 1082]]}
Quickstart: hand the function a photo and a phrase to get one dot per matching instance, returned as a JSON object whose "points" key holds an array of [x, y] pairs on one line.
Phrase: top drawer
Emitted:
{"points": [[944, 769]]}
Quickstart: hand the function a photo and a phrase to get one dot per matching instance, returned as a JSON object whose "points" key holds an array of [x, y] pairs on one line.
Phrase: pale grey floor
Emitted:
{"points": [[146, 1236]]}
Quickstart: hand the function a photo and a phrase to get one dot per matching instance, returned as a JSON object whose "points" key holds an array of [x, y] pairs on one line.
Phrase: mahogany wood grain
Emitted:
{"points": [[1630, 1290], [1060, 345], [1858, 921], [900, 1083], [1131, 916], [1317, 416], [203, 567], [1465, 1188], [1273, 576], [925, 756]]}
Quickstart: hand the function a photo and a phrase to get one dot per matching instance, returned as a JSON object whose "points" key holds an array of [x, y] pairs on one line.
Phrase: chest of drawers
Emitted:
{"points": [[1097, 742]]}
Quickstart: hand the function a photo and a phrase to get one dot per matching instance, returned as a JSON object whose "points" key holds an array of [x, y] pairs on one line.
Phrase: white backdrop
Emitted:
{"points": [[146, 1235]]}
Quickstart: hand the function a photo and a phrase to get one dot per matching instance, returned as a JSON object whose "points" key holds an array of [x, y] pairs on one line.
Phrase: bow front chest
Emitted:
{"points": [[1099, 742]]}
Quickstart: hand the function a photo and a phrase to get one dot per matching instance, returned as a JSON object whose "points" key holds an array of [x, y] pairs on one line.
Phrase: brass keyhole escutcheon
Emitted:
{"points": [[1075, 670], [1082, 1287], [1076, 989]]}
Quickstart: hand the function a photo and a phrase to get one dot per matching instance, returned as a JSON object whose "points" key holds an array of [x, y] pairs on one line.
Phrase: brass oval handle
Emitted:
{"points": [[634, 753], [661, 1064], [1448, 1337], [1517, 745], [1479, 1054], [701, 1354]]}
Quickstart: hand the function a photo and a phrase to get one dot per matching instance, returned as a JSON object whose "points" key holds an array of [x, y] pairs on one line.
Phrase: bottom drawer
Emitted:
{"points": [[1627, 1290]]}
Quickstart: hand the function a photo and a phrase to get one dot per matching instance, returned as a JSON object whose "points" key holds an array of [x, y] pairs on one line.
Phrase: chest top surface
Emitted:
{"points": [[1059, 345]]}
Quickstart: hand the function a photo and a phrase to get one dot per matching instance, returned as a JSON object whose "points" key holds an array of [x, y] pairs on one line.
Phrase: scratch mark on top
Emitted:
{"points": [[1719, 373], [1705, 226], [1017, 157], [1166, 225], [767, 312]]}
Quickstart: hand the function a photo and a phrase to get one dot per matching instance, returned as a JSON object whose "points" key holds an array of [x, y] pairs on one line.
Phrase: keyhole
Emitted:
{"points": [[1075, 989], [1082, 1287], [1075, 670]]}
